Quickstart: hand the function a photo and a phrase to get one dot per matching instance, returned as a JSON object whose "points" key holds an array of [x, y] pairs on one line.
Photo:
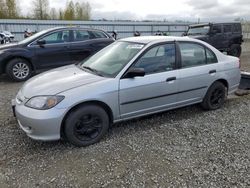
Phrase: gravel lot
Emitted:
{"points": [[187, 147]]}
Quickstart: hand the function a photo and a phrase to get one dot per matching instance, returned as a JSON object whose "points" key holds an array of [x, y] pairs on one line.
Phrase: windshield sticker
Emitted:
{"points": [[135, 46]]}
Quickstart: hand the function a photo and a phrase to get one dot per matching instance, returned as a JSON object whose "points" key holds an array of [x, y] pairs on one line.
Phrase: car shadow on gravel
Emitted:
{"points": [[168, 119], [5, 79], [117, 130]]}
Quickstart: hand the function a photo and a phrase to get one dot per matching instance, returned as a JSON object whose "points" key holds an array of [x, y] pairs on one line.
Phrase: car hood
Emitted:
{"points": [[9, 46], [58, 80]]}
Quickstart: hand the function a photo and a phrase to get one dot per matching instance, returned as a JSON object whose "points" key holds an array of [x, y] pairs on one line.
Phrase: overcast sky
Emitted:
{"points": [[206, 10]]}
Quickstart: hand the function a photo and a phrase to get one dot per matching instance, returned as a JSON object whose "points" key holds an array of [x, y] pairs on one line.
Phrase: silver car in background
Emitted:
{"points": [[130, 78]]}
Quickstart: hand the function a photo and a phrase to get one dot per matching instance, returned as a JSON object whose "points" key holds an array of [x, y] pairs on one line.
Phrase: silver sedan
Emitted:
{"points": [[130, 78]]}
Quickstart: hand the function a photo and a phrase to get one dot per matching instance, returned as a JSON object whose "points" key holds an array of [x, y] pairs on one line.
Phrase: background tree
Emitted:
{"points": [[87, 11], [40, 9], [3, 13], [69, 13], [53, 14], [61, 14], [79, 12], [12, 9], [82, 11]]}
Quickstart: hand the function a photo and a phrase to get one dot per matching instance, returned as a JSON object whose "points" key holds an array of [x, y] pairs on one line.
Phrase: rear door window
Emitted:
{"points": [[211, 57], [192, 54], [81, 35]]}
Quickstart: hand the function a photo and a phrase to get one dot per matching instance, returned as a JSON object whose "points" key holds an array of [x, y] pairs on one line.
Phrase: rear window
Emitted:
{"points": [[81, 35], [99, 34], [237, 28]]}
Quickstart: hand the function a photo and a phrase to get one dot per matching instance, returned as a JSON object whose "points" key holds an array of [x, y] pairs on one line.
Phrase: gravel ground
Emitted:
{"points": [[187, 147]]}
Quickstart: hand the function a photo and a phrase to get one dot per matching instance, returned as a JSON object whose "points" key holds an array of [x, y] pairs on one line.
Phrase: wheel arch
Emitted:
{"points": [[223, 81], [92, 102], [3, 68]]}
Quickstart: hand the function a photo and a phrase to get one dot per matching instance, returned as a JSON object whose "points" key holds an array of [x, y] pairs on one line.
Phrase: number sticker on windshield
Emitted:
{"points": [[135, 46]]}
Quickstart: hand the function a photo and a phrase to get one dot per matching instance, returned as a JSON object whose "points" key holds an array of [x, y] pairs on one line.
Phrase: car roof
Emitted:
{"points": [[214, 23], [72, 27], [155, 39]]}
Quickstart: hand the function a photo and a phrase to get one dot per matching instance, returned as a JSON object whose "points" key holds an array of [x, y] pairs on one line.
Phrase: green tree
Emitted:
{"points": [[40, 9], [87, 10], [78, 11], [82, 11], [69, 13], [12, 10], [3, 13], [61, 14]]}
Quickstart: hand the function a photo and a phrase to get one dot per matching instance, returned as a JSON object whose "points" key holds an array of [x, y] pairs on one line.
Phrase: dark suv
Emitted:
{"points": [[49, 49], [226, 37]]}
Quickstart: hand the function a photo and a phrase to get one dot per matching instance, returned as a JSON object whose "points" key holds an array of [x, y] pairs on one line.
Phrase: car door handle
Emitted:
{"points": [[212, 71], [171, 79]]}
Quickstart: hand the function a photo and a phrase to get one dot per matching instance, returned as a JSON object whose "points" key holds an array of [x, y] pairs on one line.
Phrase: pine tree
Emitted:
{"points": [[69, 13]]}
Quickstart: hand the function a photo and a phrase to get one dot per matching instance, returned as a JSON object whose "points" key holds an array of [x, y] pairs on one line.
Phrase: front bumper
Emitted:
{"points": [[42, 125]]}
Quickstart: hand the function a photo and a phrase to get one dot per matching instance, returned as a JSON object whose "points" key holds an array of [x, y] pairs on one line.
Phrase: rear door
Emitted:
{"points": [[54, 52], [157, 89], [198, 71], [85, 44]]}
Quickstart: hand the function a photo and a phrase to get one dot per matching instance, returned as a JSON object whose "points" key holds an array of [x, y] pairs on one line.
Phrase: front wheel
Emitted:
{"points": [[18, 69], [215, 97], [86, 125]]}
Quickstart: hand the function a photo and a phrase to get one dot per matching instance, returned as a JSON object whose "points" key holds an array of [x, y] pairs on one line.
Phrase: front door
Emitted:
{"points": [[157, 89], [54, 52]]}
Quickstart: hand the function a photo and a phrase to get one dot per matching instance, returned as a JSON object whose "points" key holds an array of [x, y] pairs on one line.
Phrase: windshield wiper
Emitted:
{"points": [[92, 70]]}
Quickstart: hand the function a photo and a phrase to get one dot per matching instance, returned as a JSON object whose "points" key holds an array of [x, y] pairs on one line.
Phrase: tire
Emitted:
{"points": [[86, 125], [235, 50], [18, 69], [215, 97]]}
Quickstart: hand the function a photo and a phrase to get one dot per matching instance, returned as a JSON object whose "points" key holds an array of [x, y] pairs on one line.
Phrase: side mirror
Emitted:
{"points": [[133, 72], [41, 42], [184, 34]]}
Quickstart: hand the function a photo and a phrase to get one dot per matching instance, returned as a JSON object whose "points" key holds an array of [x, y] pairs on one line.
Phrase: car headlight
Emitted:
{"points": [[44, 102]]}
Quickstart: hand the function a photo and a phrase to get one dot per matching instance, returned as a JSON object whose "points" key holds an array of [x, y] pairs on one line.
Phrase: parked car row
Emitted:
{"points": [[49, 49], [6, 37], [129, 78], [226, 37]]}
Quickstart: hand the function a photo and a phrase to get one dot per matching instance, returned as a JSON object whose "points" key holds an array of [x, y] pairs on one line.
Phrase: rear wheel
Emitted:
{"points": [[235, 50], [18, 69], [215, 97], [86, 125]]}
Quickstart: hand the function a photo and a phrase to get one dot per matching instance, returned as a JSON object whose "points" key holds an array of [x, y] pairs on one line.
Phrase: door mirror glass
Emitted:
{"points": [[134, 72], [41, 42]]}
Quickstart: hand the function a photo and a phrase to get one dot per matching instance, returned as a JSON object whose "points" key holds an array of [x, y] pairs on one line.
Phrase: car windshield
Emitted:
{"points": [[202, 30], [111, 60], [33, 37]]}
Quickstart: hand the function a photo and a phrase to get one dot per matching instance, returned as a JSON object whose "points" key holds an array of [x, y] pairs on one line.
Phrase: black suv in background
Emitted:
{"points": [[49, 49], [226, 37]]}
